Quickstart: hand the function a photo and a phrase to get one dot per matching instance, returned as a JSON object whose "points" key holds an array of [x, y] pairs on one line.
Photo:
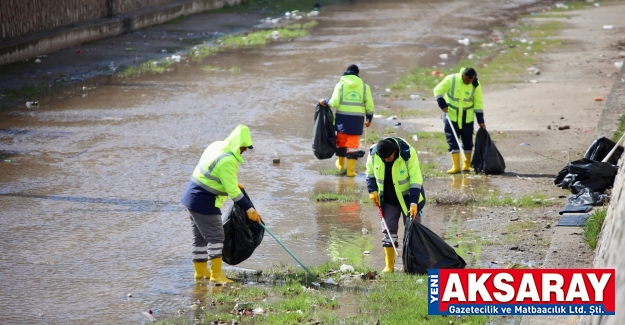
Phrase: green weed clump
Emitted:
{"points": [[592, 227]]}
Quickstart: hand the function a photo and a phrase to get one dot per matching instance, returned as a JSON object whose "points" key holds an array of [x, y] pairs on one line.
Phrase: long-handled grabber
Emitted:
{"points": [[464, 158], [614, 149], [288, 251], [388, 232]]}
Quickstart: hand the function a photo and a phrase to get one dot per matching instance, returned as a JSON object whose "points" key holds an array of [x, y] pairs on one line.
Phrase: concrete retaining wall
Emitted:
{"points": [[611, 244], [51, 40]]}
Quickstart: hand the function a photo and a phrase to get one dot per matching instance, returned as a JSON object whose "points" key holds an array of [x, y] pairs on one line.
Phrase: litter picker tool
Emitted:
{"points": [[614, 149], [288, 251], [386, 227]]}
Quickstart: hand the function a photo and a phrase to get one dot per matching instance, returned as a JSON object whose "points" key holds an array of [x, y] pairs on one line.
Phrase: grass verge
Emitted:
{"points": [[357, 296], [592, 227]]}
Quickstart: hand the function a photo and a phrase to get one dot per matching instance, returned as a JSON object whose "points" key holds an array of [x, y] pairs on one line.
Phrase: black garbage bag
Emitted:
{"points": [[486, 158], [423, 250], [242, 235], [324, 136], [600, 148], [586, 197], [595, 175]]}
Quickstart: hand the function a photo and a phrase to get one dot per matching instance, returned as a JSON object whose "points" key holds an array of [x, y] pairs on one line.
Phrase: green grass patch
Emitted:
{"points": [[620, 130], [592, 227], [266, 36], [496, 199], [350, 194], [151, 66], [504, 62]]}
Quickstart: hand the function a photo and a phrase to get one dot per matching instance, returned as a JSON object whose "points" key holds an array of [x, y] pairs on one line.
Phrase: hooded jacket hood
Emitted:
{"points": [[351, 81], [239, 137]]}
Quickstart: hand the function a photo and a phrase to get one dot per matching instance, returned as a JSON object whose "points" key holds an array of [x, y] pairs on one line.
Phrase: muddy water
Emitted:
{"points": [[91, 180]]}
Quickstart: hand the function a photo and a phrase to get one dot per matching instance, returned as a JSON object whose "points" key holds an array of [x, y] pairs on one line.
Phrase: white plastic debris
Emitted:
{"points": [[347, 268], [275, 34], [465, 41], [175, 58], [415, 138], [608, 26], [392, 117], [420, 281], [618, 64], [388, 90], [414, 96], [37, 61], [443, 56]]}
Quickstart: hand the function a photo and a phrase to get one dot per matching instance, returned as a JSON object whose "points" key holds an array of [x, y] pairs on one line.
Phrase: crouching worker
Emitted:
{"points": [[213, 180], [394, 183]]}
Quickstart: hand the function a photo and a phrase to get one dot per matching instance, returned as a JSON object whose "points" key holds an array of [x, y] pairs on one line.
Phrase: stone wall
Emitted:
{"points": [[22, 17]]}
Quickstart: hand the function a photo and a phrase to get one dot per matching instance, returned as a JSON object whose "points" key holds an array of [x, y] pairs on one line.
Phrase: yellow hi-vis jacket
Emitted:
{"points": [[217, 170], [354, 103], [406, 175], [463, 101]]}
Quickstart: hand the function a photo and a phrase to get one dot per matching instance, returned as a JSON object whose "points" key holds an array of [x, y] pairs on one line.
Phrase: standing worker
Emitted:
{"points": [[459, 95], [393, 171], [215, 178], [354, 107]]}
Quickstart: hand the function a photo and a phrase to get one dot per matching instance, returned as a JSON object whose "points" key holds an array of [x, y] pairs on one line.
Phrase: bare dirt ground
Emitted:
{"points": [[524, 120]]}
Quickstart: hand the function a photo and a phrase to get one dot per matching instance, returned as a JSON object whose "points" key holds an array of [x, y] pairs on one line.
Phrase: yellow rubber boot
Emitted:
{"points": [[201, 270], [466, 163], [217, 275], [351, 168], [390, 260], [340, 163], [455, 160]]}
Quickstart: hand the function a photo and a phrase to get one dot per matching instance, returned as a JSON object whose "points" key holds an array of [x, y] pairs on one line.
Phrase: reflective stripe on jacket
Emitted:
{"points": [[463, 101], [406, 175], [353, 102]]}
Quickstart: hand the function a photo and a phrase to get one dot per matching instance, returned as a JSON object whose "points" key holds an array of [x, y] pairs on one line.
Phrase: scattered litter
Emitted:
{"points": [[37, 61], [129, 295], [365, 231], [618, 64], [347, 268], [275, 34], [397, 123], [533, 81], [465, 41], [330, 281], [163, 51], [525, 144], [561, 6], [276, 161], [8, 160], [366, 252], [596, 4], [533, 70], [392, 117], [414, 96], [415, 138], [435, 73], [388, 90], [598, 99], [608, 26], [30, 104], [175, 58], [443, 56], [420, 281], [258, 310], [564, 127]]}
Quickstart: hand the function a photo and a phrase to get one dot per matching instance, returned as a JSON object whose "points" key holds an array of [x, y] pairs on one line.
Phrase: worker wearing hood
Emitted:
{"points": [[212, 182]]}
